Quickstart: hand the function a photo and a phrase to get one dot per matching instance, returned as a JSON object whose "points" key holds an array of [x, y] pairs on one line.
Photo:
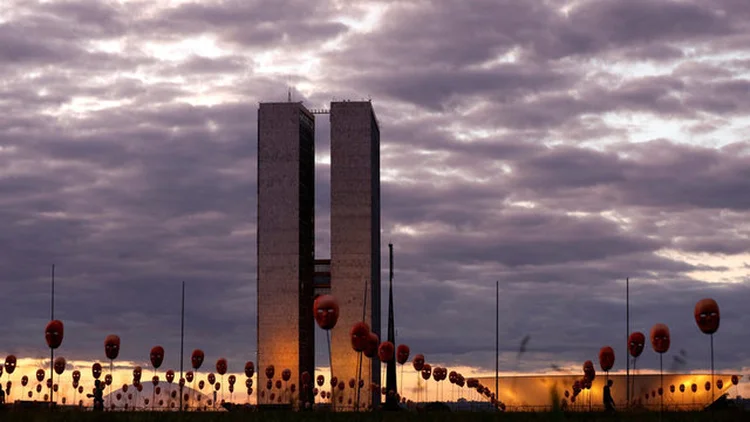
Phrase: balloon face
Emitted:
{"points": [[426, 371], [606, 358], [201, 384], [189, 376], [249, 369], [155, 380], [96, 370], [10, 364], [270, 371], [418, 362], [124, 388], [269, 384], [636, 343], [211, 378], [232, 380], [320, 380], [286, 375], [682, 388], [40, 375], [385, 351], [108, 379], [735, 380], [53, 334], [372, 345], [197, 358], [588, 370], [326, 310], [660, 338], [402, 354], [707, 315], [249, 382], [24, 381], [694, 388], [221, 366], [278, 384], [181, 382], [112, 346], [137, 373], [719, 384], [169, 376], [708, 386], [359, 335], [671, 388], [157, 356], [59, 365]]}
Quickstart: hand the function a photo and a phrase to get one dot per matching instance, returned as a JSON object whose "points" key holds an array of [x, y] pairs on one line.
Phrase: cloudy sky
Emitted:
{"points": [[556, 146]]}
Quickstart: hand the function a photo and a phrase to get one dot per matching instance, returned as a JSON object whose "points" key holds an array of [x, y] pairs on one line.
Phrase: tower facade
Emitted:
{"points": [[355, 235], [287, 275], [285, 241]]}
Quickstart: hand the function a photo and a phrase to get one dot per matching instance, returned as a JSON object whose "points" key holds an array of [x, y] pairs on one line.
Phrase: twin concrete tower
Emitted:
{"points": [[289, 275]]}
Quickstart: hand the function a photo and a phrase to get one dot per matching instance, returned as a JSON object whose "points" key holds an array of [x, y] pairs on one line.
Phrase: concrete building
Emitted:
{"points": [[286, 239], [289, 275], [355, 234]]}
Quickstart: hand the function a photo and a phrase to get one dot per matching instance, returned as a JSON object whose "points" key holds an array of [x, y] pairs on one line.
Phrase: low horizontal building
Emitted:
{"points": [[539, 392]]}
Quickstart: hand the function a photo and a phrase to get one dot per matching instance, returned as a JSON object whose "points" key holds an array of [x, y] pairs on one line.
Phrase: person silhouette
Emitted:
{"points": [[97, 396], [609, 403]]}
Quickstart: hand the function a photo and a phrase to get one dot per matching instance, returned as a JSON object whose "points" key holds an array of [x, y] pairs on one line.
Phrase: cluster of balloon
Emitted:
{"points": [[708, 317], [660, 341], [589, 374]]}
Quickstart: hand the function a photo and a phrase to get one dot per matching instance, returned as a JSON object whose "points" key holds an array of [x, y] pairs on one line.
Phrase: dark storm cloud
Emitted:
{"points": [[488, 110]]}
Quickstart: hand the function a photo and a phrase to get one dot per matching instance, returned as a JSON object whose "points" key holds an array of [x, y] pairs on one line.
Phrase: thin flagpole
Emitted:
{"points": [[182, 340], [627, 334], [497, 340], [51, 350]]}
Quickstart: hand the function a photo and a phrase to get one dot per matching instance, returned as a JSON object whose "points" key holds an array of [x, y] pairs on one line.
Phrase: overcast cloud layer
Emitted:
{"points": [[558, 148]]}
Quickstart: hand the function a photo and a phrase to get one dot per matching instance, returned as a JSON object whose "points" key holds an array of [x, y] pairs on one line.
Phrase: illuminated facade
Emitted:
{"points": [[535, 392], [288, 274], [286, 240], [355, 235]]}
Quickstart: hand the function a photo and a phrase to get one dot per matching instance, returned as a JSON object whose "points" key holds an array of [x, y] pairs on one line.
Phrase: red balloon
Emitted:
{"points": [[59, 365], [735, 379], [232, 380], [54, 333], [708, 385], [201, 384], [189, 376], [124, 388], [157, 356], [606, 358], [707, 315], [671, 388], [278, 384], [660, 338], [385, 351], [196, 359], [682, 388], [249, 382], [636, 341], [40, 375], [418, 362], [426, 371], [96, 370], [169, 376], [326, 311], [155, 380], [719, 384], [359, 336], [221, 366], [108, 379], [588, 370], [372, 345], [211, 378], [320, 380], [137, 372], [286, 375], [249, 369], [402, 354], [24, 381], [112, 346], [694, 388], [10, 364]]}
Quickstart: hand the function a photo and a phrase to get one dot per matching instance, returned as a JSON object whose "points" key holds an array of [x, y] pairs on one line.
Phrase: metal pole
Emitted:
{"points": [[359, 369], [627, 334], [497, 340], [51, 350], [712, 370], [182, 340]]}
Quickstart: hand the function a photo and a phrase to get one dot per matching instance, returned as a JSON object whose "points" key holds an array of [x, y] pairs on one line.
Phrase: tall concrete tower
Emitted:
{"points": [[286, 240], [286, 258], [355, 235]]}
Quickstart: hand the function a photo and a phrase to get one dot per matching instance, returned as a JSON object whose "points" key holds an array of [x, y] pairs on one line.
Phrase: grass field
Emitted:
{"points": [[38, 415]]}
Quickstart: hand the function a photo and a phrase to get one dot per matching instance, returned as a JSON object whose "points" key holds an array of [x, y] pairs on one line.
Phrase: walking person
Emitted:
{"points": [[609, 403]]}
